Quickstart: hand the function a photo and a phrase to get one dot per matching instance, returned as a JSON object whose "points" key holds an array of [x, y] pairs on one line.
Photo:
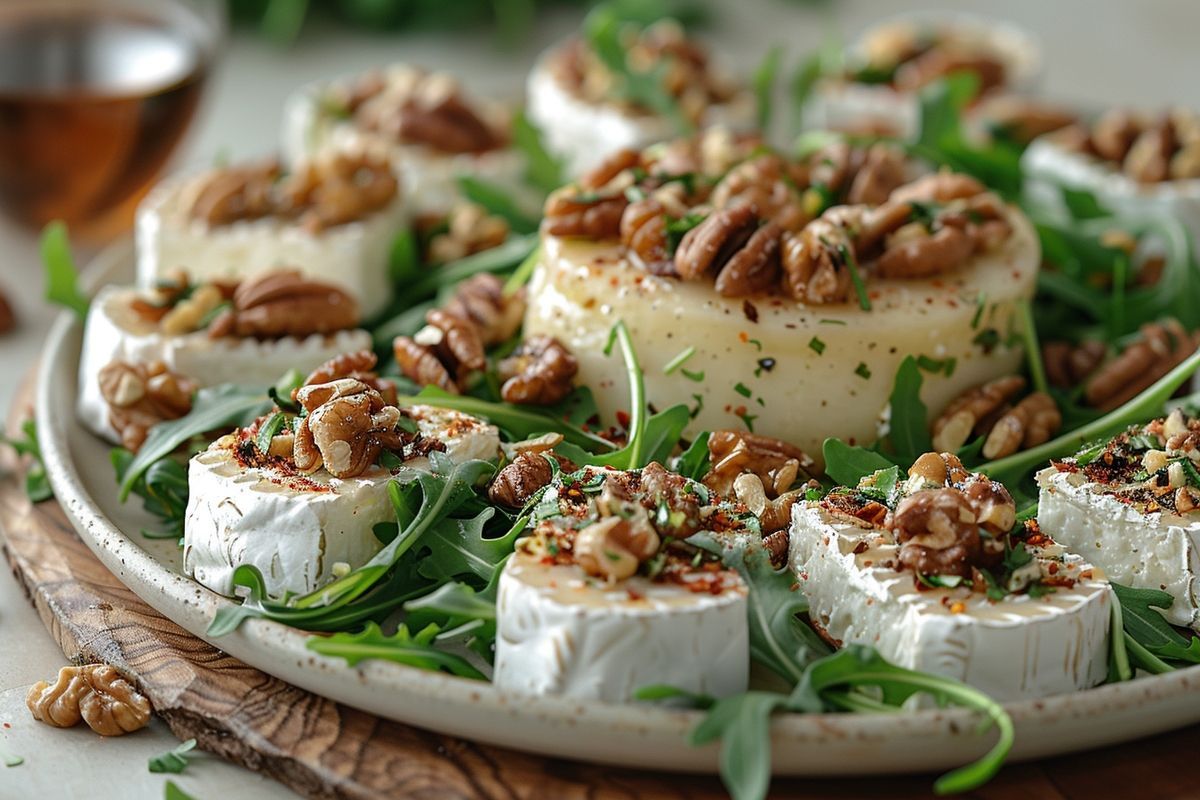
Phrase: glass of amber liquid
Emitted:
{"points": [[94, 97]]}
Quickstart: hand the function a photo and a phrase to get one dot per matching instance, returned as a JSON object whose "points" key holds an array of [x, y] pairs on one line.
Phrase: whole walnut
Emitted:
{"points": [[938, 532]]}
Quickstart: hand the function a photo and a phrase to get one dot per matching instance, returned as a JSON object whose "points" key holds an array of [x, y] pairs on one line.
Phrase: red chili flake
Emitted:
{"points": [[740, 411], [1052, 568], [750, 311], [623, 419], [635, 595], [743, 337]]}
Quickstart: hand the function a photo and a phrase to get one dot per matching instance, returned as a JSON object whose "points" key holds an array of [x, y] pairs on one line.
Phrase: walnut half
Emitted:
{"points": [[94, 693]]}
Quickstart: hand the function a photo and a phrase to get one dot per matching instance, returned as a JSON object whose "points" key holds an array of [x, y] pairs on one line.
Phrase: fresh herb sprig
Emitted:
{"points": [[402, 647], [175, 760], [62, 278], [37, 485]]}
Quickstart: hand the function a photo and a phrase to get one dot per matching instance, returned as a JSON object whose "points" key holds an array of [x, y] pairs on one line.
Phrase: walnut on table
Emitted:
{"points": [[96, 694]]}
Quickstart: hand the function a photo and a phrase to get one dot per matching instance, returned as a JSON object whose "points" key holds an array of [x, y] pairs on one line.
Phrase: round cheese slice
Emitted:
{"points": [[582, 133], [562, 632], [838, 104], [1145, 551], [353, 256], [1048, 166], [1012, 649], [301, 531], [430, 176], [795, 372], [115, 332]]}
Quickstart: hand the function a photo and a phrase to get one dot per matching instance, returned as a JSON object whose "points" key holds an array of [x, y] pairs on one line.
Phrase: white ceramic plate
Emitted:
{"points": [[624, 735]]}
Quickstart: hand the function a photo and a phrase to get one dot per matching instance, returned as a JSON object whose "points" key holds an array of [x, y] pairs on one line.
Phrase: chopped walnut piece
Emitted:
{"points": [[570, 213], [347, 425], [96, 694], [814, 267], [938, 532], [1023, 119], [421, 365], [140, 396], [613, 547], [1149, 158], [1068, 365], [236, 193], [359, 365], [610, 167], [973, 411], [525, 476], [776, 463], [285, 303], [940, 61], [753, 268], [481, 300], [470, 229], [644, 234], [767, 184], [539, 372], [1161, 347], [444, 353], [1029, 423]]}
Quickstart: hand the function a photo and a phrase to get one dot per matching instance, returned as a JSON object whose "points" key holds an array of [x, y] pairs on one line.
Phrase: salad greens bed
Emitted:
{"points": [[427, 599]]}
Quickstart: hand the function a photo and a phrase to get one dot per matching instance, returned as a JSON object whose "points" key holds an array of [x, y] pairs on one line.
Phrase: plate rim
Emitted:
{"points": [[629, 735]]}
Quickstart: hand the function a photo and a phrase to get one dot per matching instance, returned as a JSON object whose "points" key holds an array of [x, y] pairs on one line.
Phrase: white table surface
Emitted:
{"points": [[1098, 52]]}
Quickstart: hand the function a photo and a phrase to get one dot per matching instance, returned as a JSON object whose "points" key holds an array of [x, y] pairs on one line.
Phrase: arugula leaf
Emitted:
{"points": [[764, 85], [694, 462], [214, 408], [11, 759], [662, 691], [848, 464], [163, 489], [743, 724], [909, 432], [1149, 628], [542, 170], [173, 792], [174, 761], [267, 431], [37, 485], [497, 200], [1082, 204], [62, 279], [498, 259], [778, 639], [415, 650], [459, 547], [404, 259]]}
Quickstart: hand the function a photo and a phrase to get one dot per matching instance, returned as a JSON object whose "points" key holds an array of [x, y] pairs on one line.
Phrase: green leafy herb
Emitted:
{"points": [[163, 488], [908, 432], [800, 87], [1144, 623], [860, 288], [679, 360], [694, 377], [693, 462], [62, 279], [415, 650], [1081, 204], [764, 85], [523, 273], [11, 759], [1033, 350], [404, 259], [742, 389], [173, 761], [499, 201], [661, 691], [816, 345], [863, 371], [266, 432], [848, 464], [498, 259], [214, 408], [37, 485], [677, 228], [542, 170]]}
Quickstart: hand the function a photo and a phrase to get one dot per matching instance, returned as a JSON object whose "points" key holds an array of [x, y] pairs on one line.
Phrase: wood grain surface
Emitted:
{"points": [[325, 750]]}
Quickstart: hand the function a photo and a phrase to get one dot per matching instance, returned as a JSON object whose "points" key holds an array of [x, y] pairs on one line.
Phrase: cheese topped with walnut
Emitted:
{"points": [[605, 597], [584, 112], [428, 124], [1132, 506], [751, 281], [332, 218], [205, 334], [297, 494], [932, 571]]}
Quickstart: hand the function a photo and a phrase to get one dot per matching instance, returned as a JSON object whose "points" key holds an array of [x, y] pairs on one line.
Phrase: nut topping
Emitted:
{"points": [[140, 396], [712, 243], [347, 425], [359, 365], [973, 411], [1148, 150], [96, 694], [285, 303], [938, 532], [614, 547], [540, 372], [775, 463], [1161, 347], [481, 300], [470, 229]]}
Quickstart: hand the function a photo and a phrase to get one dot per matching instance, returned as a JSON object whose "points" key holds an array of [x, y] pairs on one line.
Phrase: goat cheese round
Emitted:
{"points": [[311, 127], [838, 103], [1157, 550], [582, 133], [300, 530], [796, 372], [353, 256], [1015, 648], [561, 632], [115, 332]]}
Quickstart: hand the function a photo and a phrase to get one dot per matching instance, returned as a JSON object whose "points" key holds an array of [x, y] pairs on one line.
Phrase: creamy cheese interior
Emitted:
{"points": [[796, 372], [1016, 648], [561, 632]]}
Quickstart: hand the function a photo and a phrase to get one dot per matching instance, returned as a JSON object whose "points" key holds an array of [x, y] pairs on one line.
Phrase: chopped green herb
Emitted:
{"points": [[679, 360], [816, 345], [266, 432], [174, 761], [831, 321], [764, 85], [860, 288], [863, 371], [980, 303], [11, 759], [742, 389], [697, 377]]}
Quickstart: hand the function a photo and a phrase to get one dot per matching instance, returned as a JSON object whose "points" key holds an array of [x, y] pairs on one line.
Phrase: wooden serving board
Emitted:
{"points": [[322, 749]]}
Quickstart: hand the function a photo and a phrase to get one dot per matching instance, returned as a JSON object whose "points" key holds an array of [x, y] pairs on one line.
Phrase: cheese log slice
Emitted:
{"points": [[353, 256], [1048, 166], [1145, 551], [583, 133], [837, 104], [430, 177], [115, 332], [820, 371], [561, 632], [296, 528], [1017, 648]]}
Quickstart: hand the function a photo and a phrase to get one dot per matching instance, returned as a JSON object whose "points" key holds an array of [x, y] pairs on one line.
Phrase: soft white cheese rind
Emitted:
{"points": [[293, 534], [1017, 648], [843, 105], [583, 133], [814, 388], [295, 529], [353, 256], [559, 632], [1048, 166], [430, 178], [114, 332], [1145, 551]]}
